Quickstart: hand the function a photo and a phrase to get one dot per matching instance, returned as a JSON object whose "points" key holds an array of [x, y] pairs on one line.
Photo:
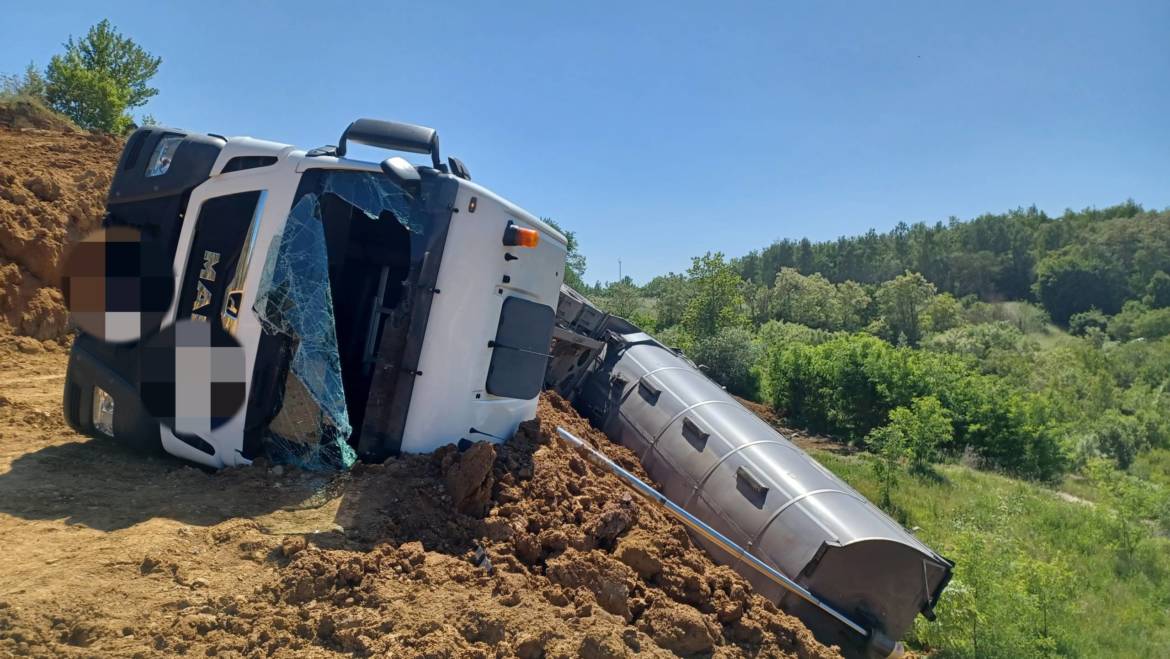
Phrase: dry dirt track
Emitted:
{"points": [[78, 518], [109, 553]]}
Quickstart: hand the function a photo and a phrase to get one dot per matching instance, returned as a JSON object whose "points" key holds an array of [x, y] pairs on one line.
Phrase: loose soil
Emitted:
{"points": [[520, 549], [53, 186]]}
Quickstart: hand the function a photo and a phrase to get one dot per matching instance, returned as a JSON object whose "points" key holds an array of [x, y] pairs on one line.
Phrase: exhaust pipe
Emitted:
{"points": [[878, 644]]}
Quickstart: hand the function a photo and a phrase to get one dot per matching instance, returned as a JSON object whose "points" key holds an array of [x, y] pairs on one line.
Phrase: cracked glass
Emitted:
{"points": [[294, 300]]}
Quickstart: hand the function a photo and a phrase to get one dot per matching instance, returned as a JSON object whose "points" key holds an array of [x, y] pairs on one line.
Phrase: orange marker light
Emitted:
{"points": [[528, 238], [515, 236]]}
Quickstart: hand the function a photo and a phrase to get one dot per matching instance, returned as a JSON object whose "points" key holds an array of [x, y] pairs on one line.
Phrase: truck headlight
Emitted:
{"points": [[103, 412], [164, 153]]}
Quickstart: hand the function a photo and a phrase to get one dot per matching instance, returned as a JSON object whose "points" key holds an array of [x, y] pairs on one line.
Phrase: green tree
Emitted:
{"points": [[716, 300], [891, 449], [901, 302], [621, 299], [759, 301], [728, 358], [574, 259], [917, 430], [943, 312], [806, 300], [1077, 279], [848, 385], [1080, 323], [31, 83], [852, 306], [99, 77], [671, 293], [1158, 291], [1047, 588]]}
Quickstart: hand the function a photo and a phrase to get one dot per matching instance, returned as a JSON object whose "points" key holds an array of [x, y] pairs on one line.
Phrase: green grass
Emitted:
{"points": [[1036, 575]]}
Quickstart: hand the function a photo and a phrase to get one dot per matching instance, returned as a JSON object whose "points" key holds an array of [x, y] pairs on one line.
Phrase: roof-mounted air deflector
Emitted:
{"points": [[392, 135]]}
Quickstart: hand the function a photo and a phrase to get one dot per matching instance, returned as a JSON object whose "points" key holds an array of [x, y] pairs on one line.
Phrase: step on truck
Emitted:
{"points": [[378, 308]]}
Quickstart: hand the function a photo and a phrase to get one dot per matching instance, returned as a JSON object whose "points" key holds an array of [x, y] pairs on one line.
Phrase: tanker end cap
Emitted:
{"points": [[881, 646]]}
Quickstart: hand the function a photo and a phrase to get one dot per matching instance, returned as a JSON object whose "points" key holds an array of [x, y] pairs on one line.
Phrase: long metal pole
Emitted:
{"points": [[697, 525]]}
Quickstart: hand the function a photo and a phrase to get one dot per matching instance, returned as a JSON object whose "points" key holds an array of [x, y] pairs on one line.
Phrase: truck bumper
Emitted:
{"points": [[93, 363]]}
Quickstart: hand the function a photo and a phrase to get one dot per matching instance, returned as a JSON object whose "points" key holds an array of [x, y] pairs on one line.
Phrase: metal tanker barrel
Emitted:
{"points": [[732, 470]]}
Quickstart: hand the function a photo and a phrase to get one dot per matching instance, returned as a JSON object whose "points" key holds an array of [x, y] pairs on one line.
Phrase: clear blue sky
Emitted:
{"points": [[661, 132]]}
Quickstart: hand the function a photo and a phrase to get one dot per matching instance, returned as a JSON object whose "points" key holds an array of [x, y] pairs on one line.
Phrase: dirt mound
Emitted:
{"points": [[520, 549], [24, 112], [53, 185], [563, 564]]}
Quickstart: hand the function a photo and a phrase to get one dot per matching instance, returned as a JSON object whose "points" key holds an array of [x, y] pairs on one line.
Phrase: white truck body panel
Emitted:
{"points": [[449, 398]]}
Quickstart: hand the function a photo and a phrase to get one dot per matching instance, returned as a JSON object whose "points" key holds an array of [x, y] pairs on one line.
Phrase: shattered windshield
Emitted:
{"points": [[345, 226]]}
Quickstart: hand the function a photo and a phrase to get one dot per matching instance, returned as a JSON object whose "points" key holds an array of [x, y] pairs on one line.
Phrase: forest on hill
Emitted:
{"points": [[1042, 341], [1092, 259], [1017, 344]]}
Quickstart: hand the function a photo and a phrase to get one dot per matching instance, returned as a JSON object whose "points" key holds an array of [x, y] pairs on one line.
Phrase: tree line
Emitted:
{"points": [[875, 341], [1082, 260]]}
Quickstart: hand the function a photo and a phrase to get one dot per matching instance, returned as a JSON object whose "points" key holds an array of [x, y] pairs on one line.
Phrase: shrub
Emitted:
{"points": [[913, 434], [987, 342], [942, 313], [1132, 502], [676, 337], [1080, 323], [30, 84], [1137, 321], [849, 385], [924, 426], [728, 358], [1026, 317], [1158, 291], [1153, 324]]}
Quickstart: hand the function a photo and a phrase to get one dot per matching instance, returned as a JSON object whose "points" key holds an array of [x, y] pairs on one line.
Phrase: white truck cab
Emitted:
{"points": [[380, 307]]}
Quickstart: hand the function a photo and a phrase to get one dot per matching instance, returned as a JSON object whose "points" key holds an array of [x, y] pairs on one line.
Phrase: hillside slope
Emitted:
{"points": [[1039, 571], [53, 185]]}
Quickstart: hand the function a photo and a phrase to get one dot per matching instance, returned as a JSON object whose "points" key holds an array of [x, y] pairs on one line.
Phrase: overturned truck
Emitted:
{"points": [[371, 308]]}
